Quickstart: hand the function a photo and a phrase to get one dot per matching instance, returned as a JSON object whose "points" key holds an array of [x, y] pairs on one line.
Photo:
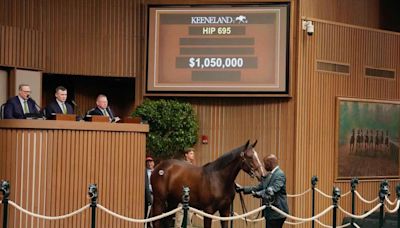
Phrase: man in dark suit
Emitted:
{"points": [[102, 109], [59, 105], [20, 106], [275, 181]]}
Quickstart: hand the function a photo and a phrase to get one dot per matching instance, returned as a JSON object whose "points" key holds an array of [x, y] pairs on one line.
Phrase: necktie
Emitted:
{"points": [[105, 112], [26, 109], [64, 109]]}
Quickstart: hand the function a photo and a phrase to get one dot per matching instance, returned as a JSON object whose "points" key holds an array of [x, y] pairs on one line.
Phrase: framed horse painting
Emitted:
{"points": [[368, 142]]}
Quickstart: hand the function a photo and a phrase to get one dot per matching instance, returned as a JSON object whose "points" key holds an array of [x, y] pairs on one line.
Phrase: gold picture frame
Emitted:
{"points": [[367, 142]]}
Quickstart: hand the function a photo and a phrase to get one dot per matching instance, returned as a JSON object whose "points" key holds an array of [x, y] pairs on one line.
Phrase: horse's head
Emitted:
{"points": [[251, 163]]}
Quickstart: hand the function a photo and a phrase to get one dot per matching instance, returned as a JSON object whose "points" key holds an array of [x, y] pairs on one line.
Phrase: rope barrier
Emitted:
{"points": [[163, 215], [390, 202], [202, 218], [329, 196], [324, 225], [301, 219], [300, 194], [344, 225], [204, 214], [360, 216], [250, 219], [394, 209], [345, 194], [322, 193], [201, 214], [364, 200], [48, 217]]}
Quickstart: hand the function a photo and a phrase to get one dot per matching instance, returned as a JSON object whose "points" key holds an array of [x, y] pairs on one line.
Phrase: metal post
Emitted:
{"points": [[314, 180], [383, 192], [269, 198], [335, 199], [353, 183], [185, 203], [5, 190], [93, 202]]}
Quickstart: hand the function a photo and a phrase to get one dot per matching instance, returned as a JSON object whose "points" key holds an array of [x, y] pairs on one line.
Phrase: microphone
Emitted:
{"points": [[78, 111], [74, 103], [37, 106], [113, 118], [36, 114]]}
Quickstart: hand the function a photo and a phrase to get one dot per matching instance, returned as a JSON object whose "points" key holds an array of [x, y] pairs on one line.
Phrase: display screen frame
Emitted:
{"points": [[158, 85]]}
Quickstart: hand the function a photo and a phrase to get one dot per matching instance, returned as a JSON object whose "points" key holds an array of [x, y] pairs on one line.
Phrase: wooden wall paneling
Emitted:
{"points": [[119, 178], [345, 11], [106, 177], [230, 122], [12, 137], [52, 180], [3, 46], [31, 169], [32, 172], [20, 47], [84, 175], [316, 106], [68, 198], [127, 189], [82, 37]]}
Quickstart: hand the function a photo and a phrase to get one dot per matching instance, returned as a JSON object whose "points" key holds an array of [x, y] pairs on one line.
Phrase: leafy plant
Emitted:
{"points": [[173, 126]]}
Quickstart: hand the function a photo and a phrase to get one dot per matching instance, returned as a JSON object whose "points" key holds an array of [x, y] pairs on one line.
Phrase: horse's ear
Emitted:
{"points": [[254, 144], [247, 144]]}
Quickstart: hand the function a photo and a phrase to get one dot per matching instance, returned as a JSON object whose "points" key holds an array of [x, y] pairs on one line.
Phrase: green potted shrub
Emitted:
{"points": [[173, 126]]}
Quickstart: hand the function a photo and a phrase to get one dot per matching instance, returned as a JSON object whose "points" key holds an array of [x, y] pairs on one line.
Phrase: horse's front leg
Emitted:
{"points": [[207, 222], [226, 212]]}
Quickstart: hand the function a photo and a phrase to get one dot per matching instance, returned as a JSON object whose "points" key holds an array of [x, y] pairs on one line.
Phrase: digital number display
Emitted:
{"points": [[233, 50]]}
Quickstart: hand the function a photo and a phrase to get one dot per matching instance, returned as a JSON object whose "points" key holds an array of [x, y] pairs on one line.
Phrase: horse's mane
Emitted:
{"points": [[224, 160]]}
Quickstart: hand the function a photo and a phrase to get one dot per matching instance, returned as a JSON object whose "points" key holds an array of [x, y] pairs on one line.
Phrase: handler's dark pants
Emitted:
{"points": [[275, 223]]}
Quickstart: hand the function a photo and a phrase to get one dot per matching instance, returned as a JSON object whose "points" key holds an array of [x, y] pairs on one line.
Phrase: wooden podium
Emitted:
{"points": [[131, 120], [66, 117], [50, 165], [97, 118]]}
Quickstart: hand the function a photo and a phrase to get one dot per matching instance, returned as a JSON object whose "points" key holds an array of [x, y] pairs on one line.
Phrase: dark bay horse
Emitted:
{"points": [[212, 186]]}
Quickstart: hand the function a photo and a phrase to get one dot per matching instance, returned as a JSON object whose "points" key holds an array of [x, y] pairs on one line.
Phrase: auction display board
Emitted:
{"points": [[241, 49]]}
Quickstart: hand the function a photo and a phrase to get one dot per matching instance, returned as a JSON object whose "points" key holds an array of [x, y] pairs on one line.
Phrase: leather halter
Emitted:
{"points": [[252, 171]]}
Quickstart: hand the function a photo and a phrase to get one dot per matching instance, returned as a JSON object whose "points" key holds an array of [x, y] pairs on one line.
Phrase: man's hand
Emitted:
{"points": [[116, 119], [256, 194], [239, 188]]}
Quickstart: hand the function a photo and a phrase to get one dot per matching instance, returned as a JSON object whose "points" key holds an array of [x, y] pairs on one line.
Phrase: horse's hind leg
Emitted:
{"points": [[158, 208]]}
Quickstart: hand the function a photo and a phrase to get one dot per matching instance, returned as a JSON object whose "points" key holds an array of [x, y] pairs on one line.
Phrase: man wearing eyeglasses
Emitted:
{"points": [[19, 106]]}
